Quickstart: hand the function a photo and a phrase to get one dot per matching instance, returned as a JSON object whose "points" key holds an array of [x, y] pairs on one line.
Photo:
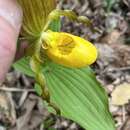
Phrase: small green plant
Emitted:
{"points": [[59, 63]]}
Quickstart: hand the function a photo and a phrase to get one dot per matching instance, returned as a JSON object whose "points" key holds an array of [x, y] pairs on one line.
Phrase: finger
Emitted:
{"points": [[10, 22]]}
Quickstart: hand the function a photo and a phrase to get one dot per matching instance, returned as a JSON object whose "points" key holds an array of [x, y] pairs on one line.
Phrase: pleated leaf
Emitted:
{"points": [[55, 25], [77, 93], [35, 14], [79, 96], [22, 65]]}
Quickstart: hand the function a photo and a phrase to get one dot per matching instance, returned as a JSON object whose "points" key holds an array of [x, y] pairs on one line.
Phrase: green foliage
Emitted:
{"points": [[55, 26], [79, 96], [35, 14], [76, 92], [48, 123], [22, 65], [38, 89], [52, 129]]}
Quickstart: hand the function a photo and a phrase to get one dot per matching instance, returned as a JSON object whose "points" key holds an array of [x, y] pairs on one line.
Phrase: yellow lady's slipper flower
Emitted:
{"points": [[69, 50]]}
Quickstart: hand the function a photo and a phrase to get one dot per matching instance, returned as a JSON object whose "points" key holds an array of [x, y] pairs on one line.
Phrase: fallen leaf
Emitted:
{"points": [[121, 95], [7, 110], [114, 37], [23, 121]]}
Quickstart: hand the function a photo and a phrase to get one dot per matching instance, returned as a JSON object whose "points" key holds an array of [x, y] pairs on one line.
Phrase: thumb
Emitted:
{"points": [[10, 22]]}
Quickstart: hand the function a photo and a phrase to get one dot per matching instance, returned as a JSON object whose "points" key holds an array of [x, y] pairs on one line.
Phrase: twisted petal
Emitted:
{"points": [[35, 13]]}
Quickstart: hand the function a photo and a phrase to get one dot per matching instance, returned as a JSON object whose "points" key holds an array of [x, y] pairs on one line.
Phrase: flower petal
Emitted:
{"points": [[70, 50]]}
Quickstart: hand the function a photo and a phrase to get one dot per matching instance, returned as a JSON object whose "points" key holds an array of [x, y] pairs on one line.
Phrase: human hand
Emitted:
{"points": [[10, 23]]}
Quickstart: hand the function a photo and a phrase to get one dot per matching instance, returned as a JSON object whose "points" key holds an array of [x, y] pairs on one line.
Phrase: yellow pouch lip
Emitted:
{"points": [[80, 54]]}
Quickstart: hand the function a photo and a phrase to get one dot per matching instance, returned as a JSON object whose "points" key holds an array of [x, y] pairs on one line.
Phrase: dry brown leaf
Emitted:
{"points": [[23, 121], [126, 125], [121, 95], [114, 37], [7, 110]]}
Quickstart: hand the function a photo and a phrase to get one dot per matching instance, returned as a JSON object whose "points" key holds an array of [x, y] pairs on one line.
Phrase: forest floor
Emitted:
{"points": [[112, 69]]}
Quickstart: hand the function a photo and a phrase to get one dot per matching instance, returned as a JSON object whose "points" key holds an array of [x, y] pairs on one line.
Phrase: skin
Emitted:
{"points": [[10, 23]]}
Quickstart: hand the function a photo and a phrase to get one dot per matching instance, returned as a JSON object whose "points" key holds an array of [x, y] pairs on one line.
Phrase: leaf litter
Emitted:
{"points": [[25, 110]]}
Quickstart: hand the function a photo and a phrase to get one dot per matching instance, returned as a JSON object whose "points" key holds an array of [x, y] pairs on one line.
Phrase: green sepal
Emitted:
{"points": [[35, 13]]}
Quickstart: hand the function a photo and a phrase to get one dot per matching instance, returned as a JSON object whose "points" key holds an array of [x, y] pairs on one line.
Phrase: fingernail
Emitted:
{"points": [[11, 11]]}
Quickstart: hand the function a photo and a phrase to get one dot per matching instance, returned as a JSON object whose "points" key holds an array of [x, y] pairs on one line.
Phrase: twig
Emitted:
{"points": [[123, 113], [122, 68], [16, 89], [23, 98], [116, 69]]}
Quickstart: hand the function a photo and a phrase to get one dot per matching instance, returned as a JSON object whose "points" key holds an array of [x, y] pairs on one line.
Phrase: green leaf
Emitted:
{"points": [[52, 129], [77, 93], [22, 65], [55, 25], [38, 89], [79, 96]]}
